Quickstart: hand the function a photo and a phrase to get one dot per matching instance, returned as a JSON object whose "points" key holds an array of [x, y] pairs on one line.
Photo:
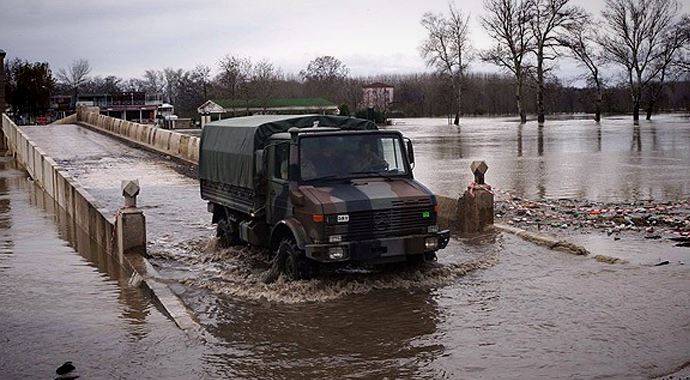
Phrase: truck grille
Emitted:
{"points": [[384, 223]]}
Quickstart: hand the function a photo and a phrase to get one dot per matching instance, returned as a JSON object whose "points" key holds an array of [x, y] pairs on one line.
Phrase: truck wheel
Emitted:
{"points": [[297, 266], [227, 233]]}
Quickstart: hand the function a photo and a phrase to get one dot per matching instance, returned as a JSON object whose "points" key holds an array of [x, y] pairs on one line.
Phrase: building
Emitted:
{"points": [[378, 96], [128, 105], [216, 109]]}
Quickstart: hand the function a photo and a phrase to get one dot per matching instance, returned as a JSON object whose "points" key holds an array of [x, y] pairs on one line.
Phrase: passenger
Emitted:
{"points": [[307, 166]]}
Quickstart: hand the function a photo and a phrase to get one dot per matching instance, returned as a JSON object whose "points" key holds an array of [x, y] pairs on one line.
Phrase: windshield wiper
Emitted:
{"points": [[327, 177], [373, 173], [364, 172]]}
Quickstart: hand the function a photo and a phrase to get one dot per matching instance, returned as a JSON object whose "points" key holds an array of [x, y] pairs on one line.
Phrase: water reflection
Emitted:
{"points": [[367, 335], [136, 307], [62, 299], [609, 161]]}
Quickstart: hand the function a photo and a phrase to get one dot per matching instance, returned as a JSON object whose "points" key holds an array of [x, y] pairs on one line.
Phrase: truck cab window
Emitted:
{"points": [[281, 154]]}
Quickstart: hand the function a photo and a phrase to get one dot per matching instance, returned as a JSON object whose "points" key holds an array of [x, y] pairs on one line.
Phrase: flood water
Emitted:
{"points": [[492, 307], [569, 158], [62, 298]]}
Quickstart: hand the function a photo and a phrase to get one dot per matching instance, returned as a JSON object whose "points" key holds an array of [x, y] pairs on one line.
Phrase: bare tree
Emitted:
{"points": [[202, 74], [636, 41], [669, 64], [173, 78], [153, 82], [325, 68], [581, 42], [75, 75], [506, 23], [548, 18], [325, 76], [447, 48], [264, 77], [234, 72]]}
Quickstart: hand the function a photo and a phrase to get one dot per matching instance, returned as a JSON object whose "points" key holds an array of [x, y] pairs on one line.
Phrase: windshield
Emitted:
{"points": [[350, 156]]}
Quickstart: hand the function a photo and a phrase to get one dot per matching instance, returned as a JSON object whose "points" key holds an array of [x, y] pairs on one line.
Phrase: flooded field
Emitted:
{"points": [[491, 307], [610, 161]]}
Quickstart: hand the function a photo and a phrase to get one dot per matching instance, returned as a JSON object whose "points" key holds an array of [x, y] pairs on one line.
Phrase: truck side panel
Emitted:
{"points": [[240, 199]]}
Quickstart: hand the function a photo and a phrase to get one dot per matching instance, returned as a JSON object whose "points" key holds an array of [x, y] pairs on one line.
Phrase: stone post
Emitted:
{"points": [[476, 206], [131, 224]]}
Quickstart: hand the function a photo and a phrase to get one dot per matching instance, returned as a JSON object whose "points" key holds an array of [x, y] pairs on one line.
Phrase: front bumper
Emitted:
{"points": [[390, 249]]}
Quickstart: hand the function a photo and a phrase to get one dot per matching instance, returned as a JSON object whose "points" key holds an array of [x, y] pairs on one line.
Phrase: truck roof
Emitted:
{"points": [[227, 146]]}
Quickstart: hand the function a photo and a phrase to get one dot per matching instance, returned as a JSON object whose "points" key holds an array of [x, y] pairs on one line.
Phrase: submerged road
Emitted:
{"points": [[64, 300], [493, 307]]}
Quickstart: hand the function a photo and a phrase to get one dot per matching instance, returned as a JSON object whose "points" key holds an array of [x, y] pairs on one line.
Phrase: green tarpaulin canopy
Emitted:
{"points": [[227, 146]]}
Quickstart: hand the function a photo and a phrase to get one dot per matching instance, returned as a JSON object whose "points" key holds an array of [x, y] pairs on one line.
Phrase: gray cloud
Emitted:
{"points": [[127, 37]]}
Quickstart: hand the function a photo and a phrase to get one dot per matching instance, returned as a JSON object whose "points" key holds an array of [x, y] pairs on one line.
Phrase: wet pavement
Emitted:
{"points": [[492, 307], [571, 158]]}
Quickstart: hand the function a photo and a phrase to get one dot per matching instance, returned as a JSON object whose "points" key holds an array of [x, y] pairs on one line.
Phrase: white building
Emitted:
{"points": [[377, 95]]}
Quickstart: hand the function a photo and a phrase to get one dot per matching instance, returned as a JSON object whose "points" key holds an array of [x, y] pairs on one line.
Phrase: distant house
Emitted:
{"points": [[216, 109], [378, 96], [129, 105]]}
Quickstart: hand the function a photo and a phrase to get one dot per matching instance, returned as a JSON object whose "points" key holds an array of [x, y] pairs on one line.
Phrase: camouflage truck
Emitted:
{"points": [[317, 190]]}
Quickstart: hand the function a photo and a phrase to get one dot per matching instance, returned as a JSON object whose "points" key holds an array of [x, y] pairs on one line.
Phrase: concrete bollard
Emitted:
{"points": [[476, 206], [131, 223]]}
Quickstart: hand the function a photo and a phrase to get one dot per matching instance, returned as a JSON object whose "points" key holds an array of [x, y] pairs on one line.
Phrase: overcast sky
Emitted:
{"points": [[126, 37]]}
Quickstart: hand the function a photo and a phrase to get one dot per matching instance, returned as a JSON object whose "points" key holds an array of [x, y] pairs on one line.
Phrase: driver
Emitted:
{"points": [[369, 160]]}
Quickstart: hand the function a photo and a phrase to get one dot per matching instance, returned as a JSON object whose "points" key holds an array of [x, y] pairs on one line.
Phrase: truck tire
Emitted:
{"points": [[227, 233], [296, 265]]}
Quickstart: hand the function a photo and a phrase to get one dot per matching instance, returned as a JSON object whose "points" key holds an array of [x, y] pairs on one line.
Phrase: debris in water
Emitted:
{"points": [[65, 371], [661, 263]]}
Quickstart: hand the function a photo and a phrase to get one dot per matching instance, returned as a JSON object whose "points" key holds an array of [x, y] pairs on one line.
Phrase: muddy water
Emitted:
{"points": [[610, 161], [61, 299], [492, 307]]}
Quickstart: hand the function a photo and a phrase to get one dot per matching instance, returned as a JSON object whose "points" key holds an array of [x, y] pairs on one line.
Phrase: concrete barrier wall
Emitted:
{"points": [[55, 181], [71, 119], [181, 146]]}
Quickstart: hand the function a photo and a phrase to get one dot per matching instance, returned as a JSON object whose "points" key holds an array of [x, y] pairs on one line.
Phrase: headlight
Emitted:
{"points": [[336, 253], [431, 243]]}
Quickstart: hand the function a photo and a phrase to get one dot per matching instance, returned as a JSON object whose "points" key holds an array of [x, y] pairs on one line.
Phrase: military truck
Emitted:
{"points": [[317, 190]]}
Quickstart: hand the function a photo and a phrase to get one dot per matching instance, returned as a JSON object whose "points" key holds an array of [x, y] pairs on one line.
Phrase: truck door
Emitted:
{"points": [[278, 189]]}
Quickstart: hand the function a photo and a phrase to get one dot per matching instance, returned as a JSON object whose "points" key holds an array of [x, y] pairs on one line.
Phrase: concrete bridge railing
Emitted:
{"points": [[178, 145], [64, 189]]}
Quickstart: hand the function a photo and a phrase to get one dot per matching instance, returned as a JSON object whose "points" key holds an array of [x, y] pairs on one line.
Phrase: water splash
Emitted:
{"points": [[239, 272]]}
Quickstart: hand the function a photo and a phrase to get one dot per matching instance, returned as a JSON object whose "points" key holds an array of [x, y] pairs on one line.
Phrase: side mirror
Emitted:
{"points": [[260, 162], [410, 152]]}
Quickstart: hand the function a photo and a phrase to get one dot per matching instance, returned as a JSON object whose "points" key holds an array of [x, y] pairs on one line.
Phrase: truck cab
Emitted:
{"points": [[325, 190]]}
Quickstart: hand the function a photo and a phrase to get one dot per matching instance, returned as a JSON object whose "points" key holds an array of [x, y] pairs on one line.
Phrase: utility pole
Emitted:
{"points": [[3, 106]]}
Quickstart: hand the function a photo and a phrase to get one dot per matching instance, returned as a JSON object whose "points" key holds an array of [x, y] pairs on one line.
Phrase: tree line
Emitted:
{"points": [[644, 43]]}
